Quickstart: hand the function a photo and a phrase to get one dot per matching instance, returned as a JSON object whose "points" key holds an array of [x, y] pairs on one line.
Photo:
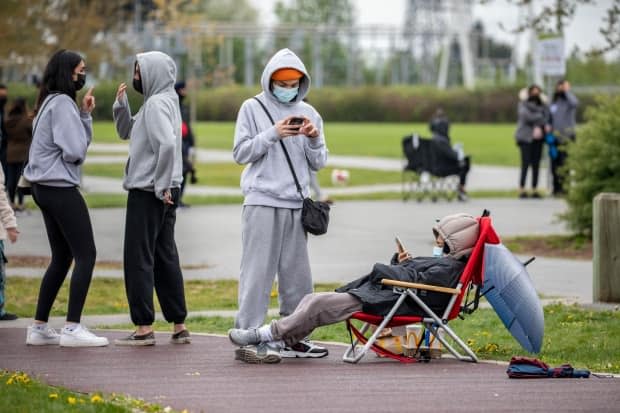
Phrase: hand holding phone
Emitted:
{"points": [[399, 245]]}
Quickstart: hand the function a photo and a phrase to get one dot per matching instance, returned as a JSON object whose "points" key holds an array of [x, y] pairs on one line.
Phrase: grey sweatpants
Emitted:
{"points": [[315, 310], [274, 242]]}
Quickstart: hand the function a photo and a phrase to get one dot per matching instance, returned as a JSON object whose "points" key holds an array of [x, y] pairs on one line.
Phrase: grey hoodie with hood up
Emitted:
{"points": [[155, 162], [267, 179]]}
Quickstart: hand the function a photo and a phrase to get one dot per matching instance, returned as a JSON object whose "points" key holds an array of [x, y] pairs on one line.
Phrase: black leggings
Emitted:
{"points": [[530, 156], [70, 235]]}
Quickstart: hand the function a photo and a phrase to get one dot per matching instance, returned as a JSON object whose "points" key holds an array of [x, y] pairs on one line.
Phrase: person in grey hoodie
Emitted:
{"points": [[153, 176], [273, 239], [563, 119], [62, 132]]}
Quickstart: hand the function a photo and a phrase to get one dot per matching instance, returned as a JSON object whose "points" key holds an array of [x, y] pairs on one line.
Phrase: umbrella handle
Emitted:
{"points": [[528, 261]]}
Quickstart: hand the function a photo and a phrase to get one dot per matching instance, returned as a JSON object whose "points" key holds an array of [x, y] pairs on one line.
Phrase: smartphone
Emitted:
{"points": [[399, 245], [296, 121]]}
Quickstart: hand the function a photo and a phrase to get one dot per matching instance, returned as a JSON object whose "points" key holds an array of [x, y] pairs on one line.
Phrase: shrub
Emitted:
{"points": [[593, 164]]}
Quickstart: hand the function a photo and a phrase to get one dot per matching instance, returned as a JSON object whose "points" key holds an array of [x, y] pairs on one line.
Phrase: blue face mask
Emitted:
{"points": [[284, 94], [437, 251]]}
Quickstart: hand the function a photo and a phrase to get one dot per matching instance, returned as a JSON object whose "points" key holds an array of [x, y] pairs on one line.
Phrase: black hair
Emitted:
{"points": [[560, 82], [2, 86], [58, 75], [531, 88], [18, 107]]}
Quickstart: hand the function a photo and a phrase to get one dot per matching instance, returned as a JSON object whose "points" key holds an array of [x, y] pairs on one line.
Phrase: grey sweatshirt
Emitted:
{"points": [[154, 133], [267, 179], [563, 114], [59, 144]]}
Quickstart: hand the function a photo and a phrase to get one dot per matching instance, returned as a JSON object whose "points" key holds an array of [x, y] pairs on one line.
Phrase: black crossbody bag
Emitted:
{"points": [[314, 214]]}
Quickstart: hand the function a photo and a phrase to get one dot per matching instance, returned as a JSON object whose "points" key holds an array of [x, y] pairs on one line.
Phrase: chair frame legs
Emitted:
{"points": [[432, 322]]}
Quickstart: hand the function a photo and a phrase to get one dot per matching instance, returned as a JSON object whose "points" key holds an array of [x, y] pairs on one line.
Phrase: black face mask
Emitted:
{"points": [[535, 99], [79, 83], [3, 101], [137, 85], [559, 95]]}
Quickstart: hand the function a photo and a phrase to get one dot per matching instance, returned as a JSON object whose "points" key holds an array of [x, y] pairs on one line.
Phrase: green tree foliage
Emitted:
{"points": [[331, 15], [593, 164]]}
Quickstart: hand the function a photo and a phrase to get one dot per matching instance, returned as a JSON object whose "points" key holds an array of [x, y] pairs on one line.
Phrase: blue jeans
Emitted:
{"points": [[2, 277]]}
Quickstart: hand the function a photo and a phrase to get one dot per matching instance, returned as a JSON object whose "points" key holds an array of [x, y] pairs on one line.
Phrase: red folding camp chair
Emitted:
{"points": [[471, 279]]}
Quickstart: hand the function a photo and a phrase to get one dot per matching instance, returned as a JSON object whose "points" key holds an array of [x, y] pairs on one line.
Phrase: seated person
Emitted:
{"points": [[448, 161], [455, 237], [440, 124]]}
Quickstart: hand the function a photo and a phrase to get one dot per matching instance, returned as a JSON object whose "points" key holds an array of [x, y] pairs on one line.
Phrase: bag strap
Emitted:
{"points": [[288, 158]]}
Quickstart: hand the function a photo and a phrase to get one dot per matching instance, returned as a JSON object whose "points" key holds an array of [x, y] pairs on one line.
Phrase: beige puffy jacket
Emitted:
{"points": [[460, 233], [7, 216]]}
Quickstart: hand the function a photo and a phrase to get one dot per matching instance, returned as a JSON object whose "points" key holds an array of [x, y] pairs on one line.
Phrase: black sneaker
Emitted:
{"points": [[8, 317], [182, 337], [134, 339], [304, 349]]}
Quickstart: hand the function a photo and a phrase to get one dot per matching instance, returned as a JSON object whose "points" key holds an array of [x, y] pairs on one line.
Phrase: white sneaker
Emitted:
{"points": [[80, 337], [42, 337]]}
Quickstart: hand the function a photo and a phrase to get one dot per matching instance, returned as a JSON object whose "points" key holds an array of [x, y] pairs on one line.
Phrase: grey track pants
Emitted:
{"points": [[274, 242], [314, 310]]}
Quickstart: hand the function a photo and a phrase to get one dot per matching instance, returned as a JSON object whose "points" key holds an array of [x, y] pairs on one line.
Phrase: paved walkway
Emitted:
{"points": [[204, 377]]}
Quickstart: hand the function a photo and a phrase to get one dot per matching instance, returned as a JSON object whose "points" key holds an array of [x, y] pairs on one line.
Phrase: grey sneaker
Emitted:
{"points": [[134, 339], [241, 337], [260, 354], [182, 337]]}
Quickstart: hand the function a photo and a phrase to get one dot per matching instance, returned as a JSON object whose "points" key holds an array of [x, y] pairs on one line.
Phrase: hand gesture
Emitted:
{"points": [[285, 129], [168, 197], [120, 92], [403, 256], [88, 101], [12, 233], [309, 129]]}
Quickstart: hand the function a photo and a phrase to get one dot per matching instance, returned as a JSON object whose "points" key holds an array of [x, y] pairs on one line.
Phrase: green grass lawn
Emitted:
{"points": [[488, 144], [581, 337]]}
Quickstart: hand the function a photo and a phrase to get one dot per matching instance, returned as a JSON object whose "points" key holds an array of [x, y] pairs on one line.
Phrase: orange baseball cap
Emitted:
{"points": [[287, 74]]}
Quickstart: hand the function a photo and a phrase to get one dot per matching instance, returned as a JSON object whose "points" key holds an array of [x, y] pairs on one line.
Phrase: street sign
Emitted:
{"points": [[551, 56]]}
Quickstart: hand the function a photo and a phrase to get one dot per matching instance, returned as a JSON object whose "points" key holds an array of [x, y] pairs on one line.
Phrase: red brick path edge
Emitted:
{"points": [[204, 377]]}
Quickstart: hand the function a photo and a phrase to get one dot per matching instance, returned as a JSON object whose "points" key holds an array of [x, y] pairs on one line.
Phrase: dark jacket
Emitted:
{"points": [[378, 299], [530, 115], [445, 158], [563, 114], [19, 137]]}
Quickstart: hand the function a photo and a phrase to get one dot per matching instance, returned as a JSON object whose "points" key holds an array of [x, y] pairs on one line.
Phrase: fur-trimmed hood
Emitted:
{"points": [[460, 233]]}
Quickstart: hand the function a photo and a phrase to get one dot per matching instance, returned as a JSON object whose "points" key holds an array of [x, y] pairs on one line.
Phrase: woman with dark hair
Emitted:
{"points": [[62, 132], [18, 126], [533, 122]]}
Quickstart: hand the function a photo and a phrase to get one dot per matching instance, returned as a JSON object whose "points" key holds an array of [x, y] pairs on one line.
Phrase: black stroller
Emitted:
{"points": [[432, 170]]}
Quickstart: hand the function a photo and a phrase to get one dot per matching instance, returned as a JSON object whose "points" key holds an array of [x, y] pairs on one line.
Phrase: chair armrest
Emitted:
{"points": [[395, 283]]}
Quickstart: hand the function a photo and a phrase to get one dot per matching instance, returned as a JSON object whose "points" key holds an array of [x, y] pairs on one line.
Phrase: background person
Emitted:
{"points": [[8, 229], [563, 116], [455, 236], [273, 239], [153, 175], [62, 134], [532, 124], [188, 142], [4, 91], [18, 127]]}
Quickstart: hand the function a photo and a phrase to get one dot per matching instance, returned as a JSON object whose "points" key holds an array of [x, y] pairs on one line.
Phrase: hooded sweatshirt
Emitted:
{"points": [[267, 179], [563, 114], [62, 134], [154, 133]]}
